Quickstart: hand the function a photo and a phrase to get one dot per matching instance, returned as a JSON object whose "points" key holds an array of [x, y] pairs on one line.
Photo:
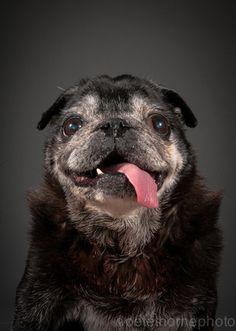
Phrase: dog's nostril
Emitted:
{"points": [[114, 127], [105, 126]]}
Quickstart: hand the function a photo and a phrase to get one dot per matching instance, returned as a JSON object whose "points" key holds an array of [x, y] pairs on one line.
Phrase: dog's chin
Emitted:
{"points": [[115, 185], [109, 193]]}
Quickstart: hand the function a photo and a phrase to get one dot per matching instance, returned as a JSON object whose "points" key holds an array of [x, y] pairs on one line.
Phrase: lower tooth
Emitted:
{"points": [[99, 172]]}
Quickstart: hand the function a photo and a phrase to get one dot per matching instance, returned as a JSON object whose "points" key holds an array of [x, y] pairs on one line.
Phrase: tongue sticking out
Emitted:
{"points": [[144, 185]]}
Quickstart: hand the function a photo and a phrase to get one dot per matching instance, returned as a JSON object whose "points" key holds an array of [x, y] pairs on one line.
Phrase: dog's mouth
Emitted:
{"points": [[145, 182]]}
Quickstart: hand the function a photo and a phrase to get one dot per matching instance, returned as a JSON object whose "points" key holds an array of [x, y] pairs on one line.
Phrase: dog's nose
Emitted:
{"points": [[115, 127]]}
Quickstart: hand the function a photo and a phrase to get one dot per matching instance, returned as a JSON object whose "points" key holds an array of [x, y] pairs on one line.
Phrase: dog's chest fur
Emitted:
{"points": [[131, 277], [149, 317], [129, 293]]}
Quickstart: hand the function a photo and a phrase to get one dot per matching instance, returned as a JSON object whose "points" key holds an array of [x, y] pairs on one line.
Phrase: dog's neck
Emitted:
{"points": [[129, 231]]}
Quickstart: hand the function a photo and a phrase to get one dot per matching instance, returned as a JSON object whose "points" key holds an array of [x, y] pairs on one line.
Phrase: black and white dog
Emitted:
{"points": [[124, 233]]}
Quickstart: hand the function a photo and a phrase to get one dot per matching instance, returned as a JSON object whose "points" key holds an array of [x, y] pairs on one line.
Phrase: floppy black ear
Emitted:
{"points": [[181, 107], [53, 110], [58, 105]]}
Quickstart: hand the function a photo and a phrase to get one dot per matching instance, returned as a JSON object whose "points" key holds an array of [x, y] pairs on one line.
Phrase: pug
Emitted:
{"points": [[124, 231]]}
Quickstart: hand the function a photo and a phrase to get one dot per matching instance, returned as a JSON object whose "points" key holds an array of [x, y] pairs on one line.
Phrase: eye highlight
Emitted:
{"points": [[71, 126], [160, 124]]}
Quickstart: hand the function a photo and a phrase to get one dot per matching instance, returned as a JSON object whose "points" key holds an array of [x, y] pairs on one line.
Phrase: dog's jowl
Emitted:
{"points": [[124, 232]]}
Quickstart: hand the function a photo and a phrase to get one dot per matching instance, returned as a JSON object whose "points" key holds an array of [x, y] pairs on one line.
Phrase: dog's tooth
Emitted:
{"points": [[99, 171]]}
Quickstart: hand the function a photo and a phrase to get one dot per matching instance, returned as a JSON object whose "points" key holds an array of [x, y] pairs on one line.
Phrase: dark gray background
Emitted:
{"points": [[186, 45]]}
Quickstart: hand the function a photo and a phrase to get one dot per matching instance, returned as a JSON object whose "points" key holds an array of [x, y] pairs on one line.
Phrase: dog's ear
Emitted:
{"points": [[53, 110], [179, 106], [56, 107]]}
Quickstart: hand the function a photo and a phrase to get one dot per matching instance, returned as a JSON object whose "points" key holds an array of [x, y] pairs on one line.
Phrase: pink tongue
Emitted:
{"points": [[144, 185]]}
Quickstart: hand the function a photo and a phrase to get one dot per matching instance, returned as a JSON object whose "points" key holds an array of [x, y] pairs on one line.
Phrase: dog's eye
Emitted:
{"points": [[71, 125], [160, 124]]}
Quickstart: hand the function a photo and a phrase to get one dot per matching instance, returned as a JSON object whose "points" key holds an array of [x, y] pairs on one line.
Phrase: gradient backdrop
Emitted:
{"points": [[187, 45]]}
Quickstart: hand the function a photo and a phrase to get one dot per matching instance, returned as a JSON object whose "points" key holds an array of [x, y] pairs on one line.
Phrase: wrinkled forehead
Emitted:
{"points": [[109, 99]]}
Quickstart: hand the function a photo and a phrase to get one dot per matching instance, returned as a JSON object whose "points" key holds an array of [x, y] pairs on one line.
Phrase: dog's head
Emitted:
{"points": [[118, 143]]}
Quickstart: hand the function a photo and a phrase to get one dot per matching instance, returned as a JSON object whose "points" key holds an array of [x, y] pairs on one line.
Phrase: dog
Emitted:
{"points": [[124, 233]]}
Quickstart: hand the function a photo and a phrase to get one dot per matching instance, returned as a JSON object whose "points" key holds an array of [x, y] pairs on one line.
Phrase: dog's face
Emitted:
{"points": [[118, 143]]}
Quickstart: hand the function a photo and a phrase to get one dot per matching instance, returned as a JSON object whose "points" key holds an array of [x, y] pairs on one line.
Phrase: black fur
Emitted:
{"points": [[75, 265]]}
